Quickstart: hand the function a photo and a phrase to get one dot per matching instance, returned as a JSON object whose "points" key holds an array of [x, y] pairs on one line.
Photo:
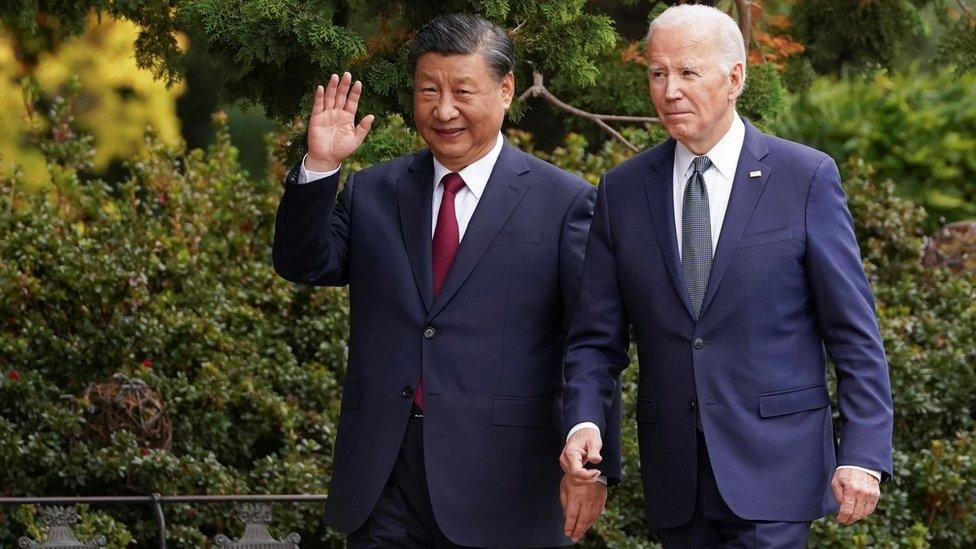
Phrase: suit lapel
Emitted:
{"points": [[746, 191], [415, 191], [504, 191], [659, 190]]}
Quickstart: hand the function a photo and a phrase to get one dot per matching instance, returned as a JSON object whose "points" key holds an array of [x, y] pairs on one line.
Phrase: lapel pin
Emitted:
{"points": [[756, 173]]}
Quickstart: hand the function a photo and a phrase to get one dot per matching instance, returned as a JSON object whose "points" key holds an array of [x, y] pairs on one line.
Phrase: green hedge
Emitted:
{"points": [[166, 277], [918, 129]]}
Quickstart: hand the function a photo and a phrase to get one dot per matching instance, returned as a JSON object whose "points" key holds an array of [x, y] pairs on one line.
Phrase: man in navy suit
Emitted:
{"points": [[731, 255], [463, 263]]}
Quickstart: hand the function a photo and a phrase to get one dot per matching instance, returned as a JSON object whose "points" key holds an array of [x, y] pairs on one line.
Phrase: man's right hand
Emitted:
{"points": [[332, 131], [581, 448]]}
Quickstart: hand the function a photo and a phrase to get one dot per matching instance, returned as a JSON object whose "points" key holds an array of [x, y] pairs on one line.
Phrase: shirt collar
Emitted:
{"points": [[476, 174], [724, 155]]}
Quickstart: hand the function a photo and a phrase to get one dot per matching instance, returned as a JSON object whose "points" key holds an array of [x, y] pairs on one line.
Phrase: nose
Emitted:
{"points": [[672, 89], [445, 110]]}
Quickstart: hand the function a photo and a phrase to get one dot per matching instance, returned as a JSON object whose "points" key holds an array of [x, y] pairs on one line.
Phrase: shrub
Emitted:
{"points": [[167, 278], [915, 129]]}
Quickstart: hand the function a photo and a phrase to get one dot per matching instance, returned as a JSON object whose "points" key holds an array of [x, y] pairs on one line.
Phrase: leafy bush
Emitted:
{"points": [[916, 129], [167, 278]]}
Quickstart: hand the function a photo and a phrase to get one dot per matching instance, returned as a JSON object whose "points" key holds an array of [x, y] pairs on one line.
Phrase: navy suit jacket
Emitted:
{"points": [[786, 283], [490, 348]]}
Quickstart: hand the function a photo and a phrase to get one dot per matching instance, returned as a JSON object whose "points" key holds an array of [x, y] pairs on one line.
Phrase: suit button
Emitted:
{"points": [[407, 391], [429, 332], [692, 405], [698, 343]]}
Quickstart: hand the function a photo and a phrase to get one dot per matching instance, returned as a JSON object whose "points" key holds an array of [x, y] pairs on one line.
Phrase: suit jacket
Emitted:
{"points": [[786, 283], [490, 348]]}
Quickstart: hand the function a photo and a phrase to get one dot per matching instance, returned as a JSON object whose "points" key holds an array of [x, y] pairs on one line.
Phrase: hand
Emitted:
{"points": [[857, 493], [581, 448], [332, 131], [582, 505]]}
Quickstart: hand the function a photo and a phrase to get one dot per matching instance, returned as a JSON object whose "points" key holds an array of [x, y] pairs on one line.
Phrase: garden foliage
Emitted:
{"points": [[167, 277], [917, 129]]}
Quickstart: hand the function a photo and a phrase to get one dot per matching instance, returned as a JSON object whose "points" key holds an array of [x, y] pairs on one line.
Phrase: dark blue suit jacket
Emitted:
{"points": [[786, 282], [490, 348]]}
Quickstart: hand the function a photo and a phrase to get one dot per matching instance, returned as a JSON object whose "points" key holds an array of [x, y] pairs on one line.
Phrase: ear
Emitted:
{"points": [[508, 89], [736, 81]]}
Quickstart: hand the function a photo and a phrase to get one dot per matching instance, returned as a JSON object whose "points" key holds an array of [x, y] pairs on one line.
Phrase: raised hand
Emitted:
{"points": [[332, 131]]}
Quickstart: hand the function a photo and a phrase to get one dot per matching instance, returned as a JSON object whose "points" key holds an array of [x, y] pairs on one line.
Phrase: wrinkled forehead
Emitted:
{"points": [[685, 45]]}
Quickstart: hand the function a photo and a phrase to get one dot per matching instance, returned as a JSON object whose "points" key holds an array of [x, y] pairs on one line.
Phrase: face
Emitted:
{"points": [[693, 95], [459, 106]]}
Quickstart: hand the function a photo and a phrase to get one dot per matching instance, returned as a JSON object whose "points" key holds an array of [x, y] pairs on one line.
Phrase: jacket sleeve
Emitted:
{"points": [[576, 229], [311, 240], [596, 349], [848, 325]]}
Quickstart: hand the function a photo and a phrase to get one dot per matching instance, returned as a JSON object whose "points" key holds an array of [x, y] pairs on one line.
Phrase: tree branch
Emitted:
{"points": [[745, 20], [966, 9], [538, 89]]}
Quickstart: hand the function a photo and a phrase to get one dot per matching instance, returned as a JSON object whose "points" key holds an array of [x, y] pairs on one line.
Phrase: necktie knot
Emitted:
{"points": [[701, 164], [452, 183]]}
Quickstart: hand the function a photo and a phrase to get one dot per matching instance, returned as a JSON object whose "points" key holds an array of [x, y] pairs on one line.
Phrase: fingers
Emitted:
{"points": [[363, 128], [584, 446], [319, 102], [587, 516], [330, 92], [858, 494], [847, 504], [838, 489], [572, 515], [593, 451], [583, 505], [342, 92], [352, 101]]}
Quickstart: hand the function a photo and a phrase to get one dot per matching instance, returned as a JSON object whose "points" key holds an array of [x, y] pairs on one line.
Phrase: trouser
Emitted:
{"points": [[714, 525]]}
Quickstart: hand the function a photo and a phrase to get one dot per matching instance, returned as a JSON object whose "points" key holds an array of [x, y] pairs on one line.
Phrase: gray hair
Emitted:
{"points": [[462, 34], [728, 37]]}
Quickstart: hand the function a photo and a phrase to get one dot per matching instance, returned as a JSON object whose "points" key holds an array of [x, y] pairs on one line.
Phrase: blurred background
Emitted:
{"points": [[142, 146]]}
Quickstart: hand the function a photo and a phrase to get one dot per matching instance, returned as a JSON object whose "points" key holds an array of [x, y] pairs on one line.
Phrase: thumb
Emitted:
{"points": [[593, 450], [364, 125]]}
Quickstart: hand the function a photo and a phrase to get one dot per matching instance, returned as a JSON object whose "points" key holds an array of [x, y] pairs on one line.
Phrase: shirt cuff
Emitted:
{"points": [[584, 425], [872, 472], [308, 176]]}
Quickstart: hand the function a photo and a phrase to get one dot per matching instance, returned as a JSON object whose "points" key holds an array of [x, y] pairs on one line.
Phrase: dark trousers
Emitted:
{"points": [[714, 525], [403, 517]]}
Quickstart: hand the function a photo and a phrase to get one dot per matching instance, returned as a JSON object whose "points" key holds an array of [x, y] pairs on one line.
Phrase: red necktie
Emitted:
{"points": [[447, 236]]}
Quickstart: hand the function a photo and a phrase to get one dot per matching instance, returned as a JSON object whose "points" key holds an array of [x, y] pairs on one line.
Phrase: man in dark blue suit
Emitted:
{"points": [[463, 263], [731, 255]]}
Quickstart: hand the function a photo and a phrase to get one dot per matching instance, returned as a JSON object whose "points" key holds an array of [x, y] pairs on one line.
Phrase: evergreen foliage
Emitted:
{"points": [[167, 278], [917, 129]]}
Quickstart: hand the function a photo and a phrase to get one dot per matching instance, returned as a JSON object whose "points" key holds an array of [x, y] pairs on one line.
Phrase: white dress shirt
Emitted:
{"points": [[718, 182], [475, 176]]}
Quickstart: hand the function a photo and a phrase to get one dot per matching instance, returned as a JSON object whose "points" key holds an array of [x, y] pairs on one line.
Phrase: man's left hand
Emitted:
{"points": [[582, 505], [857, 493]]}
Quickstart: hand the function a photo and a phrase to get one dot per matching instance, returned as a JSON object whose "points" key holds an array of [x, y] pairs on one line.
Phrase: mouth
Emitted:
{"points": [[448, 133], [680, 113]]}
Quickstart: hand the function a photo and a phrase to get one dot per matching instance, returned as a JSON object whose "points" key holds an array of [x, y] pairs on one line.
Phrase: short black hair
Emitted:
{"points": [[462, 34]]}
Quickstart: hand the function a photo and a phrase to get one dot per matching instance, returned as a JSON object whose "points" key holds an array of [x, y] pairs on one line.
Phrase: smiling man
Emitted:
{"points": [[731, 257], [463, 263]]}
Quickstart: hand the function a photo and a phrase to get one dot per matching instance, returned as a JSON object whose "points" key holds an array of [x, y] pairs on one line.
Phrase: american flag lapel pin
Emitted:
{"points": [[756, 173]]}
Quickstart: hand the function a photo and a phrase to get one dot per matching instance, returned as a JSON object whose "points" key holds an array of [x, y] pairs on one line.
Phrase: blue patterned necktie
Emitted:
{"points": [[696, 235]]}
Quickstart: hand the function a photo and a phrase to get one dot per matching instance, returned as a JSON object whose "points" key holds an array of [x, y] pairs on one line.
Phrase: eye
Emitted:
{"points": [[463, 92], [688, 73]]}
